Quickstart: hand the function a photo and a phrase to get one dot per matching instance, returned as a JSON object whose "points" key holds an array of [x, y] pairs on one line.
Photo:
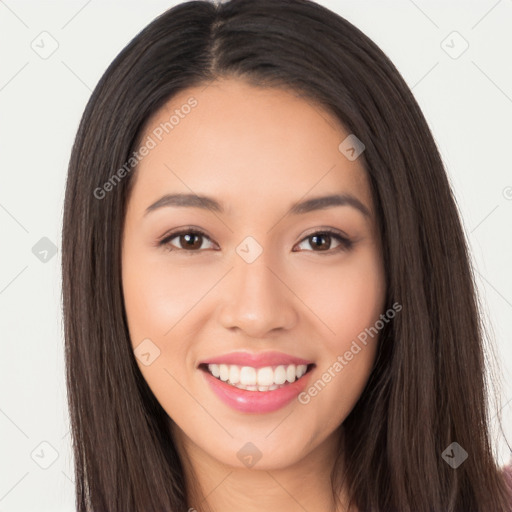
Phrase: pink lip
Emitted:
{"points": [[257, 360], [256, 401]]}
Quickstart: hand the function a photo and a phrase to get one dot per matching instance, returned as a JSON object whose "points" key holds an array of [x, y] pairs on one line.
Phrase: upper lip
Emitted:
{"points": [[258, 360]]}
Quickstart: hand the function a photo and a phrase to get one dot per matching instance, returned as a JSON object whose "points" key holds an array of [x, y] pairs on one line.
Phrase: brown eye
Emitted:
{"points": [[321, 241], [190, 241]]}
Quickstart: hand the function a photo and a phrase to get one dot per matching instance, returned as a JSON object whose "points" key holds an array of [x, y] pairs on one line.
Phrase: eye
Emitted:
{"points": [[190, 240], [322, 241]]}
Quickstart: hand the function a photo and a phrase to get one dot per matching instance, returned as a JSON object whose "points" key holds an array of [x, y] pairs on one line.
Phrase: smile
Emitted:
{"points": [[268, 378], [256, 390]]}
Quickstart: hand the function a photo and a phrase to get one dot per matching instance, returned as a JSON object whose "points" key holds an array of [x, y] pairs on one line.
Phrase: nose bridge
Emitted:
{"points": [[256, 301]]}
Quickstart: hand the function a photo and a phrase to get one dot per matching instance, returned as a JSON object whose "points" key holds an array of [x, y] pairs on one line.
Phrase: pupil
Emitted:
{"points": [[190, 240], [317, 237]]}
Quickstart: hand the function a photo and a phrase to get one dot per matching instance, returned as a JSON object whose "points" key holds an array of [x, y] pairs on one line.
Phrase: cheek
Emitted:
{"points": [[158, 296], [164, 302], [347, 298], [159, 293], [350, 301]]}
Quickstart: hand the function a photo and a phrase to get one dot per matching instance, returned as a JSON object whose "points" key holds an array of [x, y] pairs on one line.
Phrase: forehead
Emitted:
{"points": [[239, 142]]}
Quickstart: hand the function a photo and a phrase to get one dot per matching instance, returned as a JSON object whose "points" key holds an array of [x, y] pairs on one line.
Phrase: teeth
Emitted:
{"points": [[291, 372], [280, 374], [224, 372], [257, 379], [234, 374], [265, 376], [248, 376], [214, 370]]}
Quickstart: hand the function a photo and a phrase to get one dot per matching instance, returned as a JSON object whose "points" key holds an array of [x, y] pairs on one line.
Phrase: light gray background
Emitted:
{"points": [[467, 101]]}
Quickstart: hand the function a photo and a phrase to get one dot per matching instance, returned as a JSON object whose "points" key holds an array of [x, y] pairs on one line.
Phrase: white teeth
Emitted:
{"points": [[224, 372], [214, 369], [248, 376], [234, 374], [265, 376], [290, 373], [280, 374], [254, 379]]}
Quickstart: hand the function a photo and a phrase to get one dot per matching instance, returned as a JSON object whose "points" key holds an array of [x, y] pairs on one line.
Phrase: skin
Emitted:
{"points": [[257, 151]]}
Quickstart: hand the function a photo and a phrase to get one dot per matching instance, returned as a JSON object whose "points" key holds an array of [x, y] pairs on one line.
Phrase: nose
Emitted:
{"points": [[257, 299]]}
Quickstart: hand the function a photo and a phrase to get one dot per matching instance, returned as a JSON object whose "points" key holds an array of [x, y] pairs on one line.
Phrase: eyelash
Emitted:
{"points": [[345, 243]]}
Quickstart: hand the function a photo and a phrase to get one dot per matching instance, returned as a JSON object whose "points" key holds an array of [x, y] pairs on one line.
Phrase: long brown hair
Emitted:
{"points": [[428, 387]]}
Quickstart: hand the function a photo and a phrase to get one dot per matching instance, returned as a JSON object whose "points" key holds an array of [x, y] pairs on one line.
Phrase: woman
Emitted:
{"points": [[268, 298]]}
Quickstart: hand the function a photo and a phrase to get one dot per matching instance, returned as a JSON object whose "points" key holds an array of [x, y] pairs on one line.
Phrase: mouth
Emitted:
{"points": [[264, 379]]}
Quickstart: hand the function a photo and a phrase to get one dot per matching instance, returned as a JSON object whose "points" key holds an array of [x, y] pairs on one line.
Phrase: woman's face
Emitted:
{"points": [[263, 294]]}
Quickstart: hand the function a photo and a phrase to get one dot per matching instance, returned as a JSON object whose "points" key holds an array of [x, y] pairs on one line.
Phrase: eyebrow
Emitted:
{"points": [[309, 205]]}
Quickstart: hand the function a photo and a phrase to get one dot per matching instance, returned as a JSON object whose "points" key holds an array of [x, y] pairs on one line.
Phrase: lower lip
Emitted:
{"points": [[256, 401]]}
